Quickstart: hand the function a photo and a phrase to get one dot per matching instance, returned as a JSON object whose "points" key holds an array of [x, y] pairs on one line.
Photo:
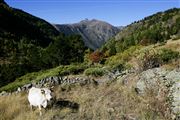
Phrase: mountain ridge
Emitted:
{"points": [[94, 32]]}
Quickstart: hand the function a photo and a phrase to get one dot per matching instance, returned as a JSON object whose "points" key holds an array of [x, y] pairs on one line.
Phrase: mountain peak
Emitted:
{"points": [[94, 32], [89, 20], [92, 21]]}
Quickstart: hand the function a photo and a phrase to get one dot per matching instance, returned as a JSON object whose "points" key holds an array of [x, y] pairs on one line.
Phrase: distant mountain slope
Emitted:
{"points": [[94, 32], [155, 28]]}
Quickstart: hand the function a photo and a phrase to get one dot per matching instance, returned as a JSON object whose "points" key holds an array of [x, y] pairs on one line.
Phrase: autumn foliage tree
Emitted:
{"points": [[96, 56]]}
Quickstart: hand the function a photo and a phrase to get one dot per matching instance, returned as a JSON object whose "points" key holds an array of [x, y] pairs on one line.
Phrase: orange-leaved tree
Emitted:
{"points": [[96, 56]]}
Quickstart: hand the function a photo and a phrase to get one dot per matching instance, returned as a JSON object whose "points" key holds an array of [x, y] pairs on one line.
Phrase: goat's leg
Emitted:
{"points": [[31, 107], [40, 112]]}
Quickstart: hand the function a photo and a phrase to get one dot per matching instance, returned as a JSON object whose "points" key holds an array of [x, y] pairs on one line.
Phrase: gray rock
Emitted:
{"points": [[175, 94], [131, 117], [23, 88], [117, 73], [174, 75], [73, 81], [27, 86], [110, 110], [56, 80], [40, 85], [42, 81], [158, 78], [19, 89], [149, 79], [140, 87], [4, 93]]}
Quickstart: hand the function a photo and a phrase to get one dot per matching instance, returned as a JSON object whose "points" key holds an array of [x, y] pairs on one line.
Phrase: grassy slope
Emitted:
{"points": [[107, 101]]}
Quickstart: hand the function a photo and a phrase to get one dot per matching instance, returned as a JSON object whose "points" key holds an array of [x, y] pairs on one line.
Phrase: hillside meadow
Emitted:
{"points": [[108, 101]]}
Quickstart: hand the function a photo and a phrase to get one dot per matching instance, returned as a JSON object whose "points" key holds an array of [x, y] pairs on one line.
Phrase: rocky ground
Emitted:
{"points": [[162, 84]]}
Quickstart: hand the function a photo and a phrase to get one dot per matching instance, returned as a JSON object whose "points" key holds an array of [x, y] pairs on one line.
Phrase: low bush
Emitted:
{"points": [[120, 67], [148, 58], [120, 60], [151, 57], [166, 55], [95, 72], [124, 56], [36, 76], [72, 69]]}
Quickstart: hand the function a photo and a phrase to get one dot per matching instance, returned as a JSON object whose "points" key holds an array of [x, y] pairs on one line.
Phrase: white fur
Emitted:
{"points": [[37, 98]]}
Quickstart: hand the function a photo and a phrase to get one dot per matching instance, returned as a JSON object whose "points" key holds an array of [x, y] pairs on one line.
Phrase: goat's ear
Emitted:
{"points": [[42, 91]]}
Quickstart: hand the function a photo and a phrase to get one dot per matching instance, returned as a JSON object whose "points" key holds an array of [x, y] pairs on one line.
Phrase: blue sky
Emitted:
{"points": [[116, 12]]}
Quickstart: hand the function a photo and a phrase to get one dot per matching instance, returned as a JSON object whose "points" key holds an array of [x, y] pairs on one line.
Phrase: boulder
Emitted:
{"points": [[19, 89], [4, 93], [158, 78], [27, 86]]}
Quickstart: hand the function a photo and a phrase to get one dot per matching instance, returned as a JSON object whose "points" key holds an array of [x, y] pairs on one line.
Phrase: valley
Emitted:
{"points": [[97, 71]]}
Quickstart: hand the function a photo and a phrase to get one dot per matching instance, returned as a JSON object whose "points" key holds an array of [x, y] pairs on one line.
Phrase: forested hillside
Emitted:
{"points": [[28, 44], [152, 29]]}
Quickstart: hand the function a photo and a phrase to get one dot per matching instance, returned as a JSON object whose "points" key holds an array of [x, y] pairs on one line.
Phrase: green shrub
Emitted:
{"points": [[95, 72], [147, 58], [36, 76], [118, 66], [150, 57], [72, 69], [120, 60], [166, 55]]}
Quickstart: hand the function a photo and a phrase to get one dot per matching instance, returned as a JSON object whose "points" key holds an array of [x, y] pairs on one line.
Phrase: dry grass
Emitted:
{"points": [[115, 101], [112, 101], [8, 109], [172, 65], [16, 107], [173, 44]]}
